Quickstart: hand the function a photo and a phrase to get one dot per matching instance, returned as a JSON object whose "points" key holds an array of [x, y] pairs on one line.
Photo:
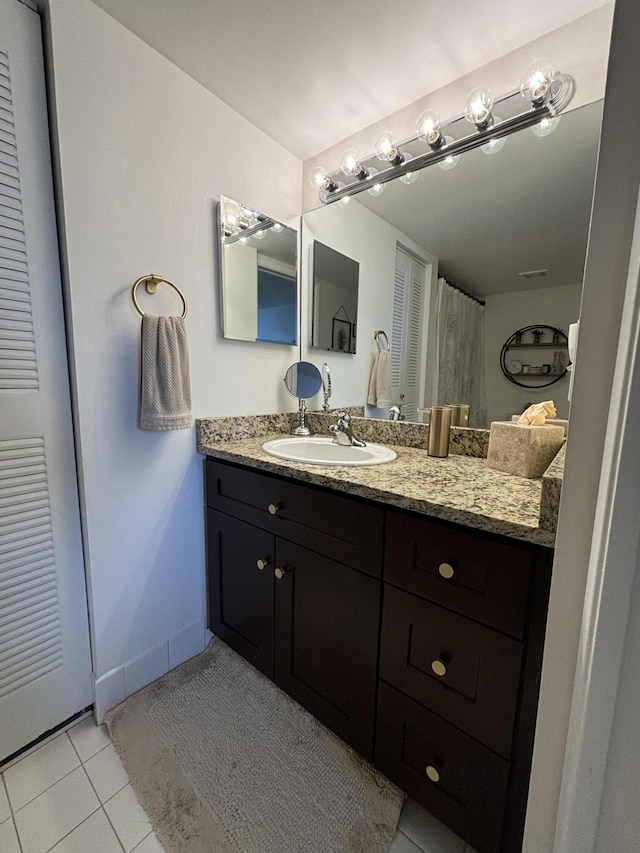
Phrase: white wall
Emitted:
{"points": [[366, 238], [144, 152], [504, 314]]}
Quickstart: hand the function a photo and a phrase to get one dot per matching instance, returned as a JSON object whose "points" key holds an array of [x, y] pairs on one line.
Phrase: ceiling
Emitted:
{"points": [[310, 73]]}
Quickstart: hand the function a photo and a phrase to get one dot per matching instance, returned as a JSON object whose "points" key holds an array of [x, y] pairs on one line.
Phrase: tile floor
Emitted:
{"points": [[72, 795]]}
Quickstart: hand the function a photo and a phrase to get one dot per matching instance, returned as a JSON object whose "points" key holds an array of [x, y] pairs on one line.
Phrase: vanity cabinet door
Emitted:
{"points": [[465, 672], [343, 528], [240, 593], [327, 641], [461, 782], [466, 571]]}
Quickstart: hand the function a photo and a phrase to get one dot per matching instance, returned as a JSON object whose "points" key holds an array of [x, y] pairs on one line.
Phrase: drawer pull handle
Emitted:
{"points": [[281, 571], [446, 570], [273, 509], [432, 773], [262, 564], [439, 668]]}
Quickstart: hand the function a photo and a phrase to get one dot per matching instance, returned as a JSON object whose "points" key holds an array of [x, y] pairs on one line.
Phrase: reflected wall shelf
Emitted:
{"points": [[523, 339]]}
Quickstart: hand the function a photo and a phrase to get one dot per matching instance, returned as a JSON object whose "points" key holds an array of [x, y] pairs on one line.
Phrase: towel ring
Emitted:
{"points": [[377, 335], [152, 282]]}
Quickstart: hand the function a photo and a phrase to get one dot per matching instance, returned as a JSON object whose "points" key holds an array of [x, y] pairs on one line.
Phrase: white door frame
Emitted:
{"points": [[586, 638]]}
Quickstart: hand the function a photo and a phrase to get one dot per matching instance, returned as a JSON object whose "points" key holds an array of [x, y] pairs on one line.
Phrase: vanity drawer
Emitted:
{"points": [[341, 528], [464, 672], [468, 572], [468, 789]]}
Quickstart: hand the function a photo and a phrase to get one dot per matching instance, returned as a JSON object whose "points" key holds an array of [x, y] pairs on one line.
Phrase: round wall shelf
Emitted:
{"points": [[523, 353]]}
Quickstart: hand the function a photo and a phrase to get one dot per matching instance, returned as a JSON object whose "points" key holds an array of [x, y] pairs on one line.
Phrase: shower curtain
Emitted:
{"points": [[459, 360]]}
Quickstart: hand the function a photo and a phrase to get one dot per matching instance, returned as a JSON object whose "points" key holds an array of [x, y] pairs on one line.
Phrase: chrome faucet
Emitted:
{"points": [[343, 433]]}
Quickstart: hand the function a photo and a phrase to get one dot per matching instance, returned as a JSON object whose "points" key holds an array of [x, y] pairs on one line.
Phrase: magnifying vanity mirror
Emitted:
{"points": [[258, 275], [303, 380], [508, 224]]}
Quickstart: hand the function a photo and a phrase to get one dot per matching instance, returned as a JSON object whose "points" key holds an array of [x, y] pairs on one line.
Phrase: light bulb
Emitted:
{"points": [[276, 227], [230, 220], [319, 178], [545, 126], [376, 189], [345, 201], [351, 165], [260, 235], [243, 241], [409, 177], [452, 160], [386, 149], [494, 145], [428, 129], [536, 82], [478, 108]]}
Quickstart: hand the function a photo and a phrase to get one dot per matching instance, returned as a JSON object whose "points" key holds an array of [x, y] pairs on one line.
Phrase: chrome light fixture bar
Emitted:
{"points": [[543, 94]]}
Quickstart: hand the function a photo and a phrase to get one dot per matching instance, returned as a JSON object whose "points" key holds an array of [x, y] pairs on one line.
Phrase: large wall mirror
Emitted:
{"points": [[508, 223], [258, 275]]}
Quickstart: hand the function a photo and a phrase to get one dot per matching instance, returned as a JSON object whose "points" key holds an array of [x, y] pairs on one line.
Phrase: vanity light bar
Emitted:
{"points": [[235, 235], [559, 92]]}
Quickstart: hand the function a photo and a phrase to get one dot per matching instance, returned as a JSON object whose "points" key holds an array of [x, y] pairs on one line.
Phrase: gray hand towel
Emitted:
{"points": [[165, 391]]}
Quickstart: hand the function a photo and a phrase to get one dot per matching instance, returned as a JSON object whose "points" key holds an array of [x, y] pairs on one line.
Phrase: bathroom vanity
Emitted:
{"points": [[409, 624]]}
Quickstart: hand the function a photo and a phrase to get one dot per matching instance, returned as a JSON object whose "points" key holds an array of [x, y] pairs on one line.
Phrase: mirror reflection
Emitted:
{"points": [[509, 227], [335, 299], [258, 277], [303, 380]]}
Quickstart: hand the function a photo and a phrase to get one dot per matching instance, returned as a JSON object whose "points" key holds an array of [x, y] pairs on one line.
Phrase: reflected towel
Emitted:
{"points": [[380, 381], [165, 390]]}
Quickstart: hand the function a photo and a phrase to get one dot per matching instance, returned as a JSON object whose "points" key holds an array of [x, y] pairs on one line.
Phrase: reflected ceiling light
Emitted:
{"points": [[409, 177], [376, 189], [546, 126], [452, 160], [478, 108], [428, 129], [351, 165], [494, 145], [386, 149], [536, 82], [548, 92]]}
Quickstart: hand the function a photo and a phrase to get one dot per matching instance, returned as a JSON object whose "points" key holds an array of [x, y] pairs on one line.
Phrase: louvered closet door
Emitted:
{"points": [[45, 664], [407, 345]]}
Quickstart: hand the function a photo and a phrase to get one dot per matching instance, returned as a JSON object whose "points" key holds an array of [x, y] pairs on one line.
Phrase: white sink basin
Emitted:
{"points": [[321, 450]]}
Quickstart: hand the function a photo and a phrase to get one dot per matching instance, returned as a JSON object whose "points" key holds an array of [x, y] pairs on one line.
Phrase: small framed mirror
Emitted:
{"points": [[258, 275], [335, 300]]}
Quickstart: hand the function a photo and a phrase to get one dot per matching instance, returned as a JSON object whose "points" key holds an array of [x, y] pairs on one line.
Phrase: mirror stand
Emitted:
{"points": [[302, 428]]}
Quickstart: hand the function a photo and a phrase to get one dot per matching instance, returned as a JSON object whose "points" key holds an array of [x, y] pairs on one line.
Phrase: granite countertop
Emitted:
{"points": [[457, 488]]}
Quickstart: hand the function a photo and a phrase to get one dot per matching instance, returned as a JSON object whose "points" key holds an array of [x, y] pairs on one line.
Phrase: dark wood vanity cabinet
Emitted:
{"points": [[460, 656], [417, 641], [294, 587]]}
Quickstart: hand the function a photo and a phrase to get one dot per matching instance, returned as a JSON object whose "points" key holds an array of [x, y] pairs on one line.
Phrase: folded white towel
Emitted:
{"points": [[165, 390], [379, 394]]}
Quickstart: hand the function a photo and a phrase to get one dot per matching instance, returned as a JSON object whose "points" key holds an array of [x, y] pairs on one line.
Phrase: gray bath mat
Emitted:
{"points": [[224, 762]]}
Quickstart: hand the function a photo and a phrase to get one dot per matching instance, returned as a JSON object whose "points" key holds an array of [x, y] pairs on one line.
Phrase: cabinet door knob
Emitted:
{"points": [[445, 570], [433, 773], [273, 509], [281, 571], [262, 564], [438, 667]]}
